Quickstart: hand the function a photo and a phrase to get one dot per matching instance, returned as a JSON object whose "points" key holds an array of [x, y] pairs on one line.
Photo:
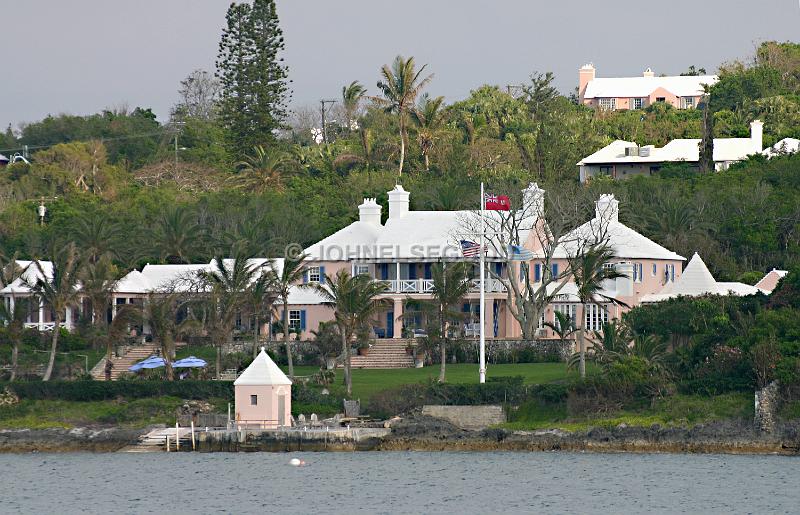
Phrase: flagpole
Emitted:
{"points": [[482, 369]]}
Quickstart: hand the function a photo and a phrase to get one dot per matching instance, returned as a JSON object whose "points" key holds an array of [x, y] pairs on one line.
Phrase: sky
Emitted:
{"points": [[83, 56]]}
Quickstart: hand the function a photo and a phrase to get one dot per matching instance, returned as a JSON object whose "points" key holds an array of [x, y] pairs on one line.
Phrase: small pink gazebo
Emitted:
{"points": [[263, 395]]}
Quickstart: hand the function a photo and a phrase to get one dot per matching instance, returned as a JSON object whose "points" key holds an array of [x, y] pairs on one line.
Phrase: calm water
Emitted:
{"points": [[412, 482]]}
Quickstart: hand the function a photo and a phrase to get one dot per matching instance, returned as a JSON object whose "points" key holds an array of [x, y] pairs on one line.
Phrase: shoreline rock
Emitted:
{"points": [[422, 433]]}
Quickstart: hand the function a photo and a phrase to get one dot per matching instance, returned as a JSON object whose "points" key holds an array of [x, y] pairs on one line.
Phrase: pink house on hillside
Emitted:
{"points": [[624, 93]]}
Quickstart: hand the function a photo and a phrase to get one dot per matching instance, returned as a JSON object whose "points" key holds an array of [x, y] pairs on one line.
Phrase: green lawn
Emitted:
{"points": [[368, 382]]}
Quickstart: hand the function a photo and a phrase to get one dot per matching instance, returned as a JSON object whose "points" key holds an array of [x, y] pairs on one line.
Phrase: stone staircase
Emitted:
{"points": [[156, 441], [384, 354], [133, 354]]}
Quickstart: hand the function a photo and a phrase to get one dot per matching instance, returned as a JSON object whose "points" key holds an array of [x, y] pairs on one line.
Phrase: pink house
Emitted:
{"points": [[263, 395], [624, 93]]}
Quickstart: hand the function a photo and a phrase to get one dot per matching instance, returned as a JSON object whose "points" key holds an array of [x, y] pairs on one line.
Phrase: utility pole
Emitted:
{"points": [[177, 127], [324, 129]]}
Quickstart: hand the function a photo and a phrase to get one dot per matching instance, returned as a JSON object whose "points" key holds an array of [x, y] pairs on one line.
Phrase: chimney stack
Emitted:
{"points": [[533, 200], [607, 208], [585, 76], [398, 202], [757, 136], [649, 73], [370, 212]]}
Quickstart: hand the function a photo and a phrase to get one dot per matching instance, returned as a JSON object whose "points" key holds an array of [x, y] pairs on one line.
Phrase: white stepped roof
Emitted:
{"points": [[639, 87], [354, 240], [262, 372], [30, 274], [725, 149], [784, 146], [624, 241], [696, 280], [154, 278]]}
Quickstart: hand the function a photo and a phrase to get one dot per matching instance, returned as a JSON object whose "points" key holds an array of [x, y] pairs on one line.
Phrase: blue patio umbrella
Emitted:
{"points": [[151, 362], [190, 362]]}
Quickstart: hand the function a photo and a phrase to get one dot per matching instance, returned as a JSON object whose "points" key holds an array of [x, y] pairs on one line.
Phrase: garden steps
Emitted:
{"points": [[384, 354], [134, 354], [156, 440]]}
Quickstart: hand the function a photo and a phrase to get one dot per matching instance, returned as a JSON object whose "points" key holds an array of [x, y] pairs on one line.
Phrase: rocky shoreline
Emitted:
{"points": [[420, 433]]}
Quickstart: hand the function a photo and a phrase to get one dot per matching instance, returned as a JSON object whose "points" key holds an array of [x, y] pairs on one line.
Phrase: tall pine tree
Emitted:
{"points": [[253, 76]]}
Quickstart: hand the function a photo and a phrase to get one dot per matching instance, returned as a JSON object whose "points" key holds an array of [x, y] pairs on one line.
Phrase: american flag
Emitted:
{"points": [[470, 248]]}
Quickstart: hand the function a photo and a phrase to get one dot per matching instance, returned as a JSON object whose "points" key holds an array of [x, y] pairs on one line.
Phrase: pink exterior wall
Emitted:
{"points": [[265, 414]]}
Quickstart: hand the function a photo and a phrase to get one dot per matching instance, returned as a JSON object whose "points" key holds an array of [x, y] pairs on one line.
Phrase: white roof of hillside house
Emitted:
{"points": [[688, 150], [606, 227], [783, 147], [154, 278], [30, 274], [696, 280], [406, 236], [640, 87], [770, 281], [262, 372]]}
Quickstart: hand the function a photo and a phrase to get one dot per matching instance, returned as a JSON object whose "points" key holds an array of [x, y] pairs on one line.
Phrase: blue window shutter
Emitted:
{"points": [[498, 268], [384, 271], [465, 307], [412, 270], [322, 275], [555, 270], [428, 273], [305, 277], [302, 319], [537, 272]]}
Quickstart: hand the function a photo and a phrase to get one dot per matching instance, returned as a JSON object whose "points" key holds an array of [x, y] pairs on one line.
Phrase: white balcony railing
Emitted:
{"points": [[426, 285], [44, 326]]}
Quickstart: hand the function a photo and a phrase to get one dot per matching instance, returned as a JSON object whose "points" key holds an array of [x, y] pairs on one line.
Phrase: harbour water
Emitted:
{"points": [[398, 482]]}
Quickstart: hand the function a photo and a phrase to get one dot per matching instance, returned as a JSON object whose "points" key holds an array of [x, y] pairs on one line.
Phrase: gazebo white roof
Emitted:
{"points": [[262, 372]]}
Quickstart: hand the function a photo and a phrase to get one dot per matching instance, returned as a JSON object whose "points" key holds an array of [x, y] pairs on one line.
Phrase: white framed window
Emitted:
{"points": [[637, 103], [638, 272], [294, 319], [360, 269], [608, 104], [655, 270], [313, 274], [571, 310], [595, 317], [669, 273], [687, 102]]}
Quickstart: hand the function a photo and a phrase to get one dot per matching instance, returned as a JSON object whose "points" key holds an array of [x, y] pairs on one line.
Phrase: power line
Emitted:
{"points": [[102, 140]]}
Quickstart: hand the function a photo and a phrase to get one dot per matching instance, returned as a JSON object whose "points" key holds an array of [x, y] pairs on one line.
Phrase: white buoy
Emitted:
{"points": [[294, 462]]}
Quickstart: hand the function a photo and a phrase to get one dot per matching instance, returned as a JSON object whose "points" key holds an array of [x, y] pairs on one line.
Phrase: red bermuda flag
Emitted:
{"points": [[497, 203]]}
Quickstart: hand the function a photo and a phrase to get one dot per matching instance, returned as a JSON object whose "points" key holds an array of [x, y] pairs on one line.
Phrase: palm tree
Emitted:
{"points": [[451, 283], [96, 235], [428, 117], [13, 315], [263, 172], [178, 235], [400, 86], [351, 97], [355, 303], [125, 317], [608, 345], [160, 313], [284, 278], [589, 271], [563, 326], [228, 283], [98, 280], [58, 289], [261, 297], [9, 269]]}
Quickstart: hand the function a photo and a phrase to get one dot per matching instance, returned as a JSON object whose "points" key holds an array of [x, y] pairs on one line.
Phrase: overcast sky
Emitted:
{"points": [[82, 56]]}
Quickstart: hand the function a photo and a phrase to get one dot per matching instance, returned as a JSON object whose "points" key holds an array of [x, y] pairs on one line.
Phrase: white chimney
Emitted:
{"points": [[607, 208], [533, 200], [398, 202], [757, 136], [370, 211], [649, 73]]}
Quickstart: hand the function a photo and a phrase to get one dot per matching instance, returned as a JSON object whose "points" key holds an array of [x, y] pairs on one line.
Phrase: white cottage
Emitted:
{"points": [[263, 395]]}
